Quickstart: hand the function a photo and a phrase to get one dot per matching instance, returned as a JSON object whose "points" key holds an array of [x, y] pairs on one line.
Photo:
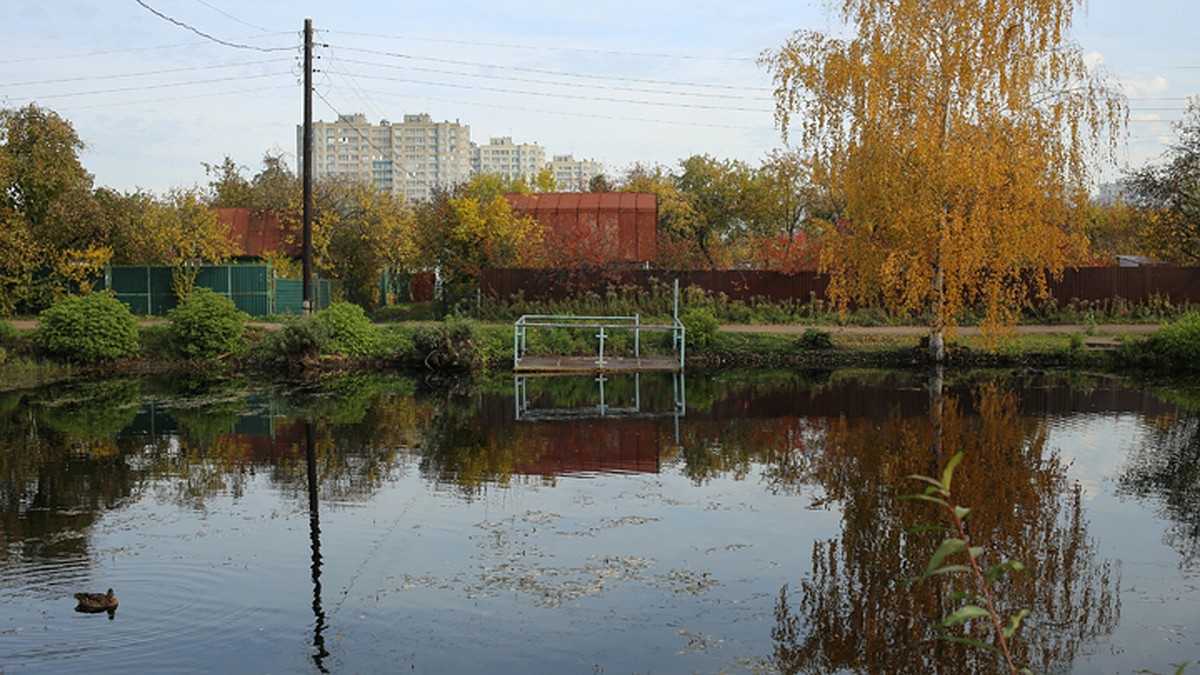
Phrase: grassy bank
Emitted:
{"points": [[299, 347]]}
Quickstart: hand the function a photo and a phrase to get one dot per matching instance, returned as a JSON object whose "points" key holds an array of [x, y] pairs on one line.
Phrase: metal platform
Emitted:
{"points": [[590, 364]]}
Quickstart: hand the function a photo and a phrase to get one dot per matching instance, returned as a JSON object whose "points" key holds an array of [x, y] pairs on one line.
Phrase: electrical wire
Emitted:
{"points": [[206, 36], [119, 90], [617, 118], [231, 17], [438, 71], [575, 50], [171, 71], [542, 71], [170, 99], [575, 97]]}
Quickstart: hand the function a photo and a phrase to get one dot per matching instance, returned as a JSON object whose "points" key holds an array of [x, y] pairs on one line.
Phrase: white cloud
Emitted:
{"points": [[1145, 87]]}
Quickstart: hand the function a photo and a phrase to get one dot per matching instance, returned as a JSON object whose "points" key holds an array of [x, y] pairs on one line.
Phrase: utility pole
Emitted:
{"points": [[307, 172]]}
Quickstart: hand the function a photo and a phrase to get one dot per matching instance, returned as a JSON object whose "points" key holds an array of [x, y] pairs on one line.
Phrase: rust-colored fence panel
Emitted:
{"points": [[1135, 284], [1093, 284]]}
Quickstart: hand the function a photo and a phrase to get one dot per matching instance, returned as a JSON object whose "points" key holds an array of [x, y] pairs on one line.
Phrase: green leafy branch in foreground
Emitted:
{"points": [[979, 604]]}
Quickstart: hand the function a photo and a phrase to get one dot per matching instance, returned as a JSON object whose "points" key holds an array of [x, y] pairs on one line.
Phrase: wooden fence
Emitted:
{"points": [[1093, 284]]}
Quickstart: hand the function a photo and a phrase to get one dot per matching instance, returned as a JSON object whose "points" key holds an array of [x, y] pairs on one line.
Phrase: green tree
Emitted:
{"points": [[718, 192], [957, 135], [473, 228], [677, 217], [1170, 193], [544, 181], [780, 203], [227, 187], [368, 232], [53, 237], [1115, 229]]}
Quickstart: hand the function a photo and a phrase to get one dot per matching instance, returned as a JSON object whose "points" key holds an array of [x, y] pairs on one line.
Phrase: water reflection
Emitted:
{"points": [[314, 531], [854, 613], [841, 443], [1167, 468]]}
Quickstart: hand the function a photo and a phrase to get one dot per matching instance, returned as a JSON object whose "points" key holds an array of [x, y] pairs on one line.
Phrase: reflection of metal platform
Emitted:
{"points": [[589, 364], [527, 413]]}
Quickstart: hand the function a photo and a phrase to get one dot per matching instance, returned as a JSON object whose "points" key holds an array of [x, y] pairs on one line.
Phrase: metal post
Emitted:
{"points": [[601, 336], [516, 345], [603, 408], [682, 344], [307, 171], [637, 335]]}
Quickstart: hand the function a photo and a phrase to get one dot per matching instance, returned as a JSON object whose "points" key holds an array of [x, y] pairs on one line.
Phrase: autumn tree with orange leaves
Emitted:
{"points": [[956, 135]]}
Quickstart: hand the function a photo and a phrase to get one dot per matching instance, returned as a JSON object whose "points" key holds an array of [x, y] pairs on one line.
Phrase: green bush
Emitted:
{"points": [[1179, 342], [701, 328], [349, 331], [814, 338], [298, 339], [88, 329], [8, 332], [448, 346], [207, 325]]}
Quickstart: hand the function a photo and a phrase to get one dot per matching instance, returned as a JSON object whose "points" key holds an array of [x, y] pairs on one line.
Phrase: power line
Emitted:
{"points": [[189, 97], [527, 80], [576, 50], [118, 90], [541, 71], [206, 36], [605, 99], [170, 71], [618, 118], [231, 17]]}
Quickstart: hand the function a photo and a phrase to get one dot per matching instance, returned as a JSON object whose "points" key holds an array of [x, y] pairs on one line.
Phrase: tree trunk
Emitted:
{"points": [[937, 328]]}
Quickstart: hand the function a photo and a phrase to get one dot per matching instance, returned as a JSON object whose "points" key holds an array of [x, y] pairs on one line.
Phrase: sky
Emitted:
{"points": [[156, 89]]}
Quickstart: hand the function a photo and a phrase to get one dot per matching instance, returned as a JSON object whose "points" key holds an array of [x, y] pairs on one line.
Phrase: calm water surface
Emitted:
{"points": [[742, 522]]}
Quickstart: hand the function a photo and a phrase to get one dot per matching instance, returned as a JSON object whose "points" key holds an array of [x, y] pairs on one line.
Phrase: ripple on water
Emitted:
{"points": [[184, 599]]}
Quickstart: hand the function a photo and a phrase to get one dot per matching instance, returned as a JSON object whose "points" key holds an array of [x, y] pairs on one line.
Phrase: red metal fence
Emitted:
{"points": [[1133, 284]]}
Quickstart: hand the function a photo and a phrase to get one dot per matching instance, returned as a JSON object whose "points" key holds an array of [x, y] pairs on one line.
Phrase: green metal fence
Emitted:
{"points": [[148, 291], [289, 295]]}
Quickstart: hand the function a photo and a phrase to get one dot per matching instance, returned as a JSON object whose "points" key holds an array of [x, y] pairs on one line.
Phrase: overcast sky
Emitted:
{"points": [[155, 88]]}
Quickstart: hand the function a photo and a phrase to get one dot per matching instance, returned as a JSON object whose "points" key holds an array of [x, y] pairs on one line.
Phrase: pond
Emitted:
{"points": [[713, 522]]}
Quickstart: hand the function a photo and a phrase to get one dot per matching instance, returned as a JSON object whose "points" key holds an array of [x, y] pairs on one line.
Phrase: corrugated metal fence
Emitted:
{"points": [[1133, 284]]}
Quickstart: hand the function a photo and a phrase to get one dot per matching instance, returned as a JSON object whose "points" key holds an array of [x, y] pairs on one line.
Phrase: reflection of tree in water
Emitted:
{"points": [[461, 448], [855, 613], [1167, 467], [61, 462], [94, 412]]}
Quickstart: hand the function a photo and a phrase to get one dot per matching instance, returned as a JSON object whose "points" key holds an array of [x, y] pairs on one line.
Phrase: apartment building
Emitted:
{"points": [[414, 157], [409, 159], [504, 158], [572, 175]]}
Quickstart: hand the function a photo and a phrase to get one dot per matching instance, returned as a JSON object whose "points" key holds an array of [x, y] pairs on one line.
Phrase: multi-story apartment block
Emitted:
{"points": [[409, 159], [413, 158], [572, 175], [504, 158]]}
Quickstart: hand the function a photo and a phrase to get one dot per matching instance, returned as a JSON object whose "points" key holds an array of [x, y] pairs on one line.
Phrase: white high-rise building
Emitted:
{"points": [[504, 158], [572, 175], [409, 159]]}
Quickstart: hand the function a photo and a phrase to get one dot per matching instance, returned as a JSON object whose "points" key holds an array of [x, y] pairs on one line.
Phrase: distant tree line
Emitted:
{"points": [[58, 230]]}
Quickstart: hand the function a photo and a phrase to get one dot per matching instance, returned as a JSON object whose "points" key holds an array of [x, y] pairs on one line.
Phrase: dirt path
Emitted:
{"points": [[1041, 329]]}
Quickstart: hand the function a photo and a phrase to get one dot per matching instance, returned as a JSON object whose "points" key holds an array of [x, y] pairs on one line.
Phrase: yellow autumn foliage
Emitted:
{"points": [[956, 136]]}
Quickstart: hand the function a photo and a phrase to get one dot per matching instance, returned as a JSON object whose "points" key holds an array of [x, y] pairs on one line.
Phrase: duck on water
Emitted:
{"points": [[96, 602]]}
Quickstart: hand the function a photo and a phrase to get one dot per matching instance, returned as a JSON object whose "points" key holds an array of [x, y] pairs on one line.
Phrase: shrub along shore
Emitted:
{"points": [[95, 334]]}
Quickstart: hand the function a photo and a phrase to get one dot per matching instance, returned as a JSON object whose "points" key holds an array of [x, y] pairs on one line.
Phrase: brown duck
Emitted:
{"points": [[96, 602]]}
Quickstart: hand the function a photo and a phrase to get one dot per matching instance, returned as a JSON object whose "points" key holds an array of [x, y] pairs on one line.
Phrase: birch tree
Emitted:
{"points": [[957, 135]]}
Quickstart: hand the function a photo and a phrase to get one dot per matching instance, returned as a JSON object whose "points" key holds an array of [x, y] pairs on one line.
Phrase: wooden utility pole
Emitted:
{"points": [[307, 172]]}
